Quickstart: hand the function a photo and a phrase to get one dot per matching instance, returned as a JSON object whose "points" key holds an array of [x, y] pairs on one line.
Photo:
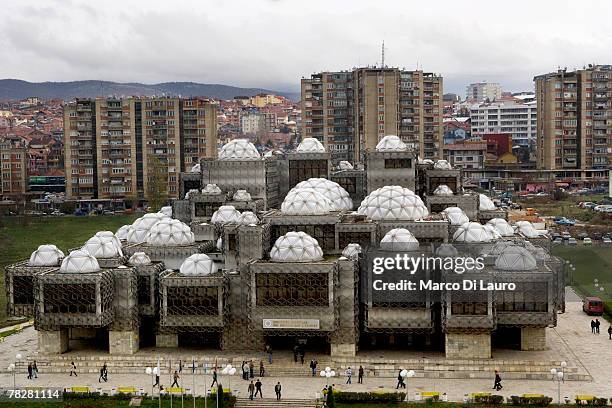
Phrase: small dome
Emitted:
{"points": [[239, 149], [111, 236], [455, 215], [198, 264], [306, 201], [191, 192], [391, 143], [170, 233], [139, 258], [248, 217], [226, 214], [46, 255], [501, 226], [515, 258], [296, 247], [310, 145], [493, 232], [211, 189], [399, 239], [345, 165], [340, 199], [123, 231], [499, 247], [485, 203], [79, 262], [195, 168], [427, 161], [471, 232], [167, 211], [442, 165], [102, 247], [443, 189], [351, 251], [219, 244], [393, 203], [447, 251], [141, 226], [242, 195]]}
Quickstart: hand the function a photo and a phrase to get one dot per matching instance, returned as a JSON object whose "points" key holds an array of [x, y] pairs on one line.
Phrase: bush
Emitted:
{"points": [[489, 399], [597, 402], [533, 401], [375, 397]]}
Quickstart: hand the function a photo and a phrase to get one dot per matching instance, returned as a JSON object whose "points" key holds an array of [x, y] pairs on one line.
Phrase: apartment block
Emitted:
{"points": [[351, 111], [123, 148], [482, 91], [13, 169], [516, 119], [574, 129]]}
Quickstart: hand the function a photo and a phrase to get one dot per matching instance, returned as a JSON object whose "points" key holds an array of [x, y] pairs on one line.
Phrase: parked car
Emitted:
{"points": [[582, 235], [565, 221], [56, 213], [108, 212], [565, 235], [558, 240], [603, 208], [587, 241], [572, 242], [606, 241], [592, 306]]}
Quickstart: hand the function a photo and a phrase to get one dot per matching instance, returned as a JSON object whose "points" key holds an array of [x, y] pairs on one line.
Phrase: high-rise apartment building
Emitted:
{"points": [[481, 91], [13, 169], [575, 119], [125, 148], [351, 111], [517, 119]]}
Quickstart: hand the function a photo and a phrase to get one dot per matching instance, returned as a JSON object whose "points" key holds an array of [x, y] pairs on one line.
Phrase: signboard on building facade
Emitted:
{"points": [[301, 324]]}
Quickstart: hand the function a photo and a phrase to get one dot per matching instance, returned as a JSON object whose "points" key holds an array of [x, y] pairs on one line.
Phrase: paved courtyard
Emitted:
{"points": [[571, 340]]}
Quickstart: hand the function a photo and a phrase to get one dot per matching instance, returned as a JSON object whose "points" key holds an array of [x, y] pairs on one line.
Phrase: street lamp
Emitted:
{"points": [[153, 372], [558, 375], [407, 374], [11, 368], [328, 373], [229, 370]]}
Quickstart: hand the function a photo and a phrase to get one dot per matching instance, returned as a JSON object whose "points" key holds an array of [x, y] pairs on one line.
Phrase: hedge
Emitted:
{"points": [[376, 397], [533, 401]]}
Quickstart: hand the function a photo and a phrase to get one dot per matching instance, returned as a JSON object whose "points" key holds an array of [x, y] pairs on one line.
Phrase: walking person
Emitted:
{"points": [[251, 370], [251, 390], [35, 369], [156, 381], [349, 375], [610, 332], [258, 388], [269, 351], [302, 354], [29, 371], [262, 370], [176, 378], [245, 370], [497, 384], [214, 381], [180, 367], [101, 374], [277, 390], [73, 369], [360, 375], [313, 367], [593, 326], [105, 369], [597, 324], [400, 380], [295, 353]]}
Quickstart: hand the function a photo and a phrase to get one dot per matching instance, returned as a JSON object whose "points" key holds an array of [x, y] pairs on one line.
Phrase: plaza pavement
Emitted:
{"points": [[571, 340]]}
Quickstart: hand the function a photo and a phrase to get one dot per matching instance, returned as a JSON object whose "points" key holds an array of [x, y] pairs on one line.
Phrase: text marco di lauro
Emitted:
{"points": [[466, 284]]}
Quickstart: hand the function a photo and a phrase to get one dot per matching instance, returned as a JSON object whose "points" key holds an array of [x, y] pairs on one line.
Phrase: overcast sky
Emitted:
{"points": [[273, 43]]}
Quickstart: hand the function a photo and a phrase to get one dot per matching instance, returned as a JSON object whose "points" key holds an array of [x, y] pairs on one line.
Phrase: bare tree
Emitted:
{"points": [[158, 183]]}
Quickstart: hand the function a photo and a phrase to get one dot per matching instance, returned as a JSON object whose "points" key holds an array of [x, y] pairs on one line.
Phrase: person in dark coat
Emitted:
{"points": [[251, 369], [360, 375], [262, 370], [277, 390], [73, 369], [251, 390], [258, 388], [214, 381], [35, 369], [400, 380], [497, 384], [29, 371]]}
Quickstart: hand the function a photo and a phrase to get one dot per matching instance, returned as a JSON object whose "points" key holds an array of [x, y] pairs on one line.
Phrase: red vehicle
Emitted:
{"points": [[592, 306]]}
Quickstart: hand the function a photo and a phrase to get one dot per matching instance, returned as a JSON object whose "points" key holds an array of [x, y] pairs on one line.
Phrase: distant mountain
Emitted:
{"points": [[17, 89]]}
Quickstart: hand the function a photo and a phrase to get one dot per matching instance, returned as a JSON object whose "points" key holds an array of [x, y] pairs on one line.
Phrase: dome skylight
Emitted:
{"points": [[455, 215], [393, 203], [443, 189], [391, 143], [340, 199], [310, 145], [226, 214], [345, 165], [306, 201], [46, 255], [211, 189], [170, 232], [515, 258], [296, 247], [101, 247], [141, 226], [399, 239], [239, 149], [79, 262], [167, 211], [442, 165], [351, 251], [195, 168], [242, 195], [501, 226], [139, 258], [198, 265], [123, 231], [471, 232], [248, 217], [485, 203]]}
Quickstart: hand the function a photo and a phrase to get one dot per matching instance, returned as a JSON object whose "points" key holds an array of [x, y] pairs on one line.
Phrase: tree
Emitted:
{"points": [[158, 184]]}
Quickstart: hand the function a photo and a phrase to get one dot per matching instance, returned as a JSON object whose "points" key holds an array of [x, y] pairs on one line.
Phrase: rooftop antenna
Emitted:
{"points": [[383, 54]]}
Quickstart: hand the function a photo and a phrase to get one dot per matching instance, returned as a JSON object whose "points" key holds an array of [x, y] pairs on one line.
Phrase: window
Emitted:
{"points": [[292, 289], [398, 163]]}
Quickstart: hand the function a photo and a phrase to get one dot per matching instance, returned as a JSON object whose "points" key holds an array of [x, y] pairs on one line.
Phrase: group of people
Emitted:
{"points": [[248, 369], [32, 370], [103, 374], [595, 328], [349, 375], [298, 350]]}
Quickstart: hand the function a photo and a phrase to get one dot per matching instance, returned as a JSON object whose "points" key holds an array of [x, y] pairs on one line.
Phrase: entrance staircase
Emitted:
{"points": [[273, 403]]}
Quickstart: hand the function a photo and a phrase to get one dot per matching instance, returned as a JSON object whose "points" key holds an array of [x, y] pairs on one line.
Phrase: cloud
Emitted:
{"points": [[273, 43]]}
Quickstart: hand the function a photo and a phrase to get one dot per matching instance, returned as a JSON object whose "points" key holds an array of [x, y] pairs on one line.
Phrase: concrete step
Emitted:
{"points": [[274, 403]]}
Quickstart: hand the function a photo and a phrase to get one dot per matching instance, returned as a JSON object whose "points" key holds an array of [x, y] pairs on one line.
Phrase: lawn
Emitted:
{"points": [[568, 207], [19, 237], [110, 402]]}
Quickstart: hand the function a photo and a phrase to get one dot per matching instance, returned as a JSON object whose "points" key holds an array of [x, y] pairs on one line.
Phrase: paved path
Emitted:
{"points": [[570, 340]]}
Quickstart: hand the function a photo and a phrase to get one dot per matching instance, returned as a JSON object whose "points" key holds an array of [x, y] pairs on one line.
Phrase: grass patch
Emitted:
{"points": [[568, 207], [19, 237]]}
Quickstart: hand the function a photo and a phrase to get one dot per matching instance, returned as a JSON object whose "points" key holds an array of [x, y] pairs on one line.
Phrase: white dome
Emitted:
{"points": [[195, 168], [170, 233], [101, 247], [340, 199], [123, 231], [219, 244], [141, 226], [485, 203], [79, 262], [427, 161], [46, 255], [310, 145], [167, 210], [198, 264], [351, 251], [442, 165], [527, 229], [111, 236], [499, 247], [501, 226], [393, 203], [306, 201], [443, 189], [226, 214], [493, 232], [399, 239], [239, 149], [139, 258], [248, 217], [471, 232], [447, 251], [242, 195], [455, 215], [296, 247], [515, 258], [191, 192], [345, 165], [391, 143], [211, 189]]}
